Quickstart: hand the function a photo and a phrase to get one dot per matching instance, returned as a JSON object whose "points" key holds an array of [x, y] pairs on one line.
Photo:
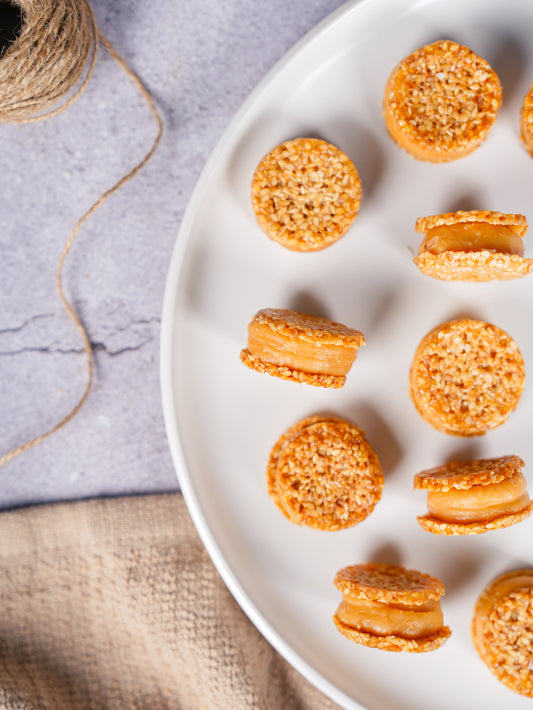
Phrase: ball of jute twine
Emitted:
{"points": [[42, 72], [47, 58]]}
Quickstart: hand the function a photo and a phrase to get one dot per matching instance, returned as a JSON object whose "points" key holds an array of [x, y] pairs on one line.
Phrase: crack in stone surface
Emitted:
{"points": [[96, 346], [19, 328], [119, 351]]}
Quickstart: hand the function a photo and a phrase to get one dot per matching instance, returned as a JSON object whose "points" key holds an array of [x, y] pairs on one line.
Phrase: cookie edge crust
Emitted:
{"points": [[474, 266], [507, 467], [441, 527], [526, 128], [391, 642], [432, 592], [487, 595], [517, 222], [286, 373], [326, 332]]}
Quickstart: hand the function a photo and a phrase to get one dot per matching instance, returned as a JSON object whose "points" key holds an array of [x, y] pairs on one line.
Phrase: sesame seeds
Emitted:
{"points": [[441, 101], [478, 379], [323, 473], [383, 588], [466, 377], [309, 327], [473, 266], [465, 474], [495, 260], [502, 630], [526, 121], [388, 583], [509, 637], [517, 222], [289, 373], [306, 194], [301, 347]]}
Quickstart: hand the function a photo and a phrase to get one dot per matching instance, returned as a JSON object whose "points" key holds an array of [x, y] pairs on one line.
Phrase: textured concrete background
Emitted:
{"points": [[199, 59]]}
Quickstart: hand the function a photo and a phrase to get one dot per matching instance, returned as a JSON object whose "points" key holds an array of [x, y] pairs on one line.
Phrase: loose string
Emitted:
{"points": [[66, 249]]}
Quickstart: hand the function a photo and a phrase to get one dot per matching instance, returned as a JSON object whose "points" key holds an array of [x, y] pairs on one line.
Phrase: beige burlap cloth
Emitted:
{"points": [[114, 603]]}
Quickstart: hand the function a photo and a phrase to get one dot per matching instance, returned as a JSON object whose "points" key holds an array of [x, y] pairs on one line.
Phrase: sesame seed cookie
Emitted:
{"points": [[473, 246], [391, 608], [473, 497], [466, 377], [306, 193], [324, 474], [502, 629], [441, 101], [526, 121], [301, 347]]}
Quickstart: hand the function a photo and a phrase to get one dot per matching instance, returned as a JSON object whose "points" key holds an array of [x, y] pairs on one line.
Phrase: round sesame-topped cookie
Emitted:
{"points": [[459, 475], [502, 629], [441, 101], [473, 246], [301, 347], [390, 607], [324, 474], [526, 121], [466, 377], [306, 193], [389, 584], [473, 497]]}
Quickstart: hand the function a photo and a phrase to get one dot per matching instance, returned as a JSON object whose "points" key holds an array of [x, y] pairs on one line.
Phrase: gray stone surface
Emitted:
{"points": [[199, 59]]}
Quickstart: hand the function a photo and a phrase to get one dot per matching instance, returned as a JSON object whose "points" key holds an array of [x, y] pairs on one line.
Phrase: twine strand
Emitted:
{"points": [[97, 35]]}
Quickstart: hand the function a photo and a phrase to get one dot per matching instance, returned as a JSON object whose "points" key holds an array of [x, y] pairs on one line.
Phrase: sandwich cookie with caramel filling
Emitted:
{"points": [[306, 193], [526, 121], [323, 473], [301, 347], [473, 246], [502, 629], [472, 497], [467, 376], [391, 608], [441, 101]]}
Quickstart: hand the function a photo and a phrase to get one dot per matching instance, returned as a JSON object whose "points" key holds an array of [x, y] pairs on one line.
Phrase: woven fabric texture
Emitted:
{"points": [[114, 603]]}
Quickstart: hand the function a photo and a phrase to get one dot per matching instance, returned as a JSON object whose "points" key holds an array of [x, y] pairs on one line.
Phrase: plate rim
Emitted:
{"points": [[165, 354]]}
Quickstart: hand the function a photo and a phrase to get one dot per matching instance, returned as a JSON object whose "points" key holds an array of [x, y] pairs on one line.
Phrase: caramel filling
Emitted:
{"points": [[479, 503], [391, 619], [281, 348], [472, 236]]}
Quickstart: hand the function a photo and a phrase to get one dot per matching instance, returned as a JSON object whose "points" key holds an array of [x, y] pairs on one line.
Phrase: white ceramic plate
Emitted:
{"points": [[222, 419]]}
